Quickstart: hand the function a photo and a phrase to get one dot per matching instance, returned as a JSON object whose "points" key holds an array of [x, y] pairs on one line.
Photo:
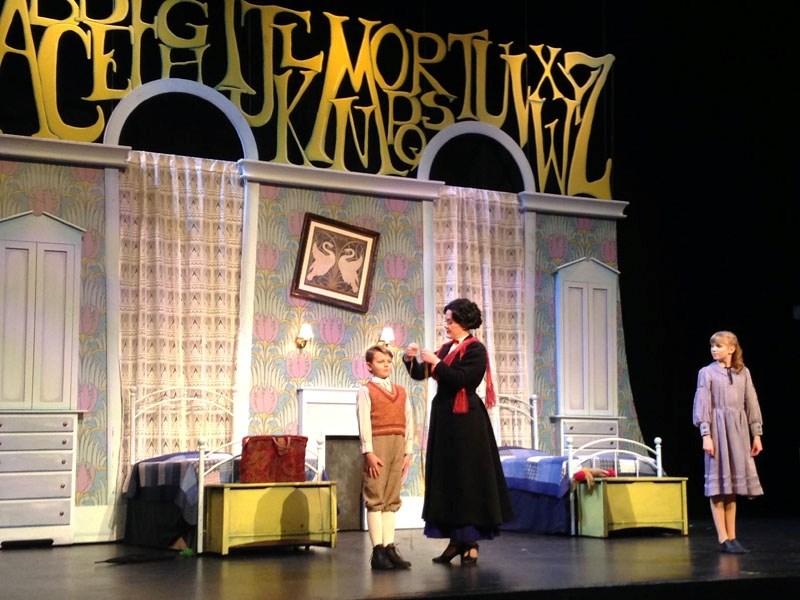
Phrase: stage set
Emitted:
{"points": [[217, 223]]}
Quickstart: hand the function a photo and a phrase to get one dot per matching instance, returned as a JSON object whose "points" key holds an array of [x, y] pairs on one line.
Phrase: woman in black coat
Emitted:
{"points": [[466, 498]]}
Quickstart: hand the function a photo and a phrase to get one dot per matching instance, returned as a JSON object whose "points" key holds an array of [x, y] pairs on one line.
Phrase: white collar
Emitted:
{"points": [[385, 383]]}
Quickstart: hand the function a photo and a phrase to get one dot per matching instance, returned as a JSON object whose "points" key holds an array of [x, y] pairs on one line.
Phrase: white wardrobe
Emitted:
{"points": [[586, 322], [40, 281]]}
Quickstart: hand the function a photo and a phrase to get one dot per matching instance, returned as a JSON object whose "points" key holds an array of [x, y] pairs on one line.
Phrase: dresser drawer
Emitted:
{"points": [[30, 513], [595, 428], [19, 486], [11, 462], [28, 423], [36, 441], [580, 440]]}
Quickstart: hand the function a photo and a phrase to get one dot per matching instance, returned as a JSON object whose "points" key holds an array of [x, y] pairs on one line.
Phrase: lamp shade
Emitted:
{"points": [[305, 332], [387, 335], [303, 336]]}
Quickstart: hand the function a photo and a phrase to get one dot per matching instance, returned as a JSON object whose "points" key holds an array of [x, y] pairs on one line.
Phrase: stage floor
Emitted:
{"points": [[657, 565]]}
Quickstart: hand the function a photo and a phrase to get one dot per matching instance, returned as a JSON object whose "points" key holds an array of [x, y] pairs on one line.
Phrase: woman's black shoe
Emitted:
{"points": [[449, 554], [469, 554]]}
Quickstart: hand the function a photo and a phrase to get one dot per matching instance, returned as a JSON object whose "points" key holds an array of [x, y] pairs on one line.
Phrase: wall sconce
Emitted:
{"points": [[387, 336], [303, 336]]}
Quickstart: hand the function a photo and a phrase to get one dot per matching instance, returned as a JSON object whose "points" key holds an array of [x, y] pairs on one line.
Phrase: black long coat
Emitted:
{"points": [[464, 481]]}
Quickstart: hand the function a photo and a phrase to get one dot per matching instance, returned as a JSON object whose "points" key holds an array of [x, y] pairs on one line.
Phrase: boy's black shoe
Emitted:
{"points": [[395, 558], [379, 560]]}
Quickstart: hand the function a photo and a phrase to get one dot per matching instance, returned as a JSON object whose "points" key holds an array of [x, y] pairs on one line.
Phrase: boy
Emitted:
{"points": [[386, 433]]}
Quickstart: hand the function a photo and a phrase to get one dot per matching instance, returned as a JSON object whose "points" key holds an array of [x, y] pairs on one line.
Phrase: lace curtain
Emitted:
{"points": [[180, 241], [480, 255]]}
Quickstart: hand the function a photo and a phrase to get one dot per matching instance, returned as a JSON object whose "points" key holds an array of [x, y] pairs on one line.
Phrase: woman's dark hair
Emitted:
{"points": [[464, 312]]}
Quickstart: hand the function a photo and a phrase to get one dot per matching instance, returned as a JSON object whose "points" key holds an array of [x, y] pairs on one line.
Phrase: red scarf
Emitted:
{"points": [[461, 406]]}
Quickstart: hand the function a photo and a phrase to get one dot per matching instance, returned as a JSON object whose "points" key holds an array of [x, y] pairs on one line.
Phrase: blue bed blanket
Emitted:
{"points": [[534, 471], [174, 477]]}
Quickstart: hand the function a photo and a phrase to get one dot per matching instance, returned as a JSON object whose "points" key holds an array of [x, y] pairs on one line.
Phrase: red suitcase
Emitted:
{"points": [[273, 459]]}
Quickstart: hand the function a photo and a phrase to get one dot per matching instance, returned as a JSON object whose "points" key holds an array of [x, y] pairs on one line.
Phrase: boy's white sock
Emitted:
{"points": [[375, 526], [388, 519]]}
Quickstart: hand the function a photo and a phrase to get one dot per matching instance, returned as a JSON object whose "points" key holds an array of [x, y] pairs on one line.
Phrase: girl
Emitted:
{"points": [[727, 412]]}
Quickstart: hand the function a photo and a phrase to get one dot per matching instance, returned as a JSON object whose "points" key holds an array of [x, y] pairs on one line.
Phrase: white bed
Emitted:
{"points": [[179, 441], [638, 495], [547, 499], [182, 455]]}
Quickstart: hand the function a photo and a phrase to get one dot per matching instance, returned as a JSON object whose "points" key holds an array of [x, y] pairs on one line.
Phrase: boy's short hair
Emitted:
{"points": [[370, 354]]}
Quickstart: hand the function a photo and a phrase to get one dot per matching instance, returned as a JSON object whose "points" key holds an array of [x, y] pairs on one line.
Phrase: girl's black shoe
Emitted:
{"points": [[732, 547]]}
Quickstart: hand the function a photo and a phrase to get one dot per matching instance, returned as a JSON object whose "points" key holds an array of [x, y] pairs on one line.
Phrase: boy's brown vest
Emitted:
{"points": [[388, 411]]}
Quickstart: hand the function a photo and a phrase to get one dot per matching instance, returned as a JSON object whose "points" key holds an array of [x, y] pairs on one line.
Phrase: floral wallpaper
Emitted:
{"points": [[335, 356], [77, 196], [561, 240]]}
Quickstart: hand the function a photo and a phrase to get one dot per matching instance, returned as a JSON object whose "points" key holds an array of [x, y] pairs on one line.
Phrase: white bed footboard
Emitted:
{"points": [[184, 419], [628, 458]]}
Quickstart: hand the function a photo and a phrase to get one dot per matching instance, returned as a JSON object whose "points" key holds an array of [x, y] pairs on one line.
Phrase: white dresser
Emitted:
{"points": [[40, 283], [37, 477]]}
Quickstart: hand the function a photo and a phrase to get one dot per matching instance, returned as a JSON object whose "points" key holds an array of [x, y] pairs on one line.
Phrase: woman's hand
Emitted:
{"points": [[411, 352], [429, 356]]}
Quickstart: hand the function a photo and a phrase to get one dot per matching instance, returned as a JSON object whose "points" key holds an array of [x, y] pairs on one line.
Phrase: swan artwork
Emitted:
{"points": [[322, 260], [349, 266]]}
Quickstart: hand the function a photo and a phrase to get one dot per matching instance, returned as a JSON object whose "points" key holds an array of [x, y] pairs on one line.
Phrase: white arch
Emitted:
{"points": [[116, 122], [181, 86], [480, 128]]}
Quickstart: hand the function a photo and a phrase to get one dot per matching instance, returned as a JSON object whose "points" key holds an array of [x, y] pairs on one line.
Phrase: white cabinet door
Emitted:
{"points": [[39, 313], [56, 327], [17, 299], [586, 339]]}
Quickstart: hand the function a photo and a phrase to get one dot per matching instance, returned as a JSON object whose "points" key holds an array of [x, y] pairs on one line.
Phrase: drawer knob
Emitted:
{"points": [[63, 486], [63, 442], [63, 461]]}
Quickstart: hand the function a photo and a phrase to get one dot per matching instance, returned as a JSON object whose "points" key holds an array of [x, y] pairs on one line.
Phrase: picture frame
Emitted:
{"points": [[335, 263]]}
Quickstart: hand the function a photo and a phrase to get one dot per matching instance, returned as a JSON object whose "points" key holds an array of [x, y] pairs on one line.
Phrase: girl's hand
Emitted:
{"points": [[756, 448], [708, 445]]}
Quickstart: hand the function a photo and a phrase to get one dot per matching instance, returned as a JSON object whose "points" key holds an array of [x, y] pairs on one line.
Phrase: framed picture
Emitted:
{"points": [[335, 263]]}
